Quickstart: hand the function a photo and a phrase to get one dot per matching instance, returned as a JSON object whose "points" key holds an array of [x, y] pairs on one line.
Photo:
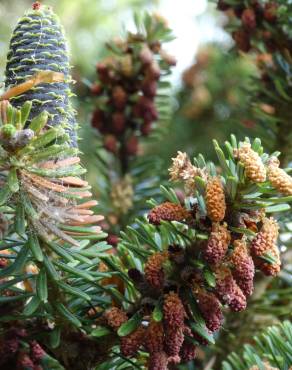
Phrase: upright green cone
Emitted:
{"points": [[38, 44]]}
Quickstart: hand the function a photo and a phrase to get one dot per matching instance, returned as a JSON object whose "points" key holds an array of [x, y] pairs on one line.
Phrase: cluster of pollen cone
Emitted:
{"points": [[175, 278]]}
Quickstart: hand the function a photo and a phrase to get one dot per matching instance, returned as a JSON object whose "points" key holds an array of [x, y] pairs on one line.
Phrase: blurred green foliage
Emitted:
{"points": [[211, 102]]}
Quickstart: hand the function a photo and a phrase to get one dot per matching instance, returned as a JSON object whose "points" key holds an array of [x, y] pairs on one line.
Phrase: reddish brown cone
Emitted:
{"points": [[209, 306], [173, 311], [243, 267], [229, 292], [174, 338], [115, 317], [264, 244], [188, 351], [167, 212], [154, 269], [158, 361], [217, 245], [154, 337], [131, 343]]}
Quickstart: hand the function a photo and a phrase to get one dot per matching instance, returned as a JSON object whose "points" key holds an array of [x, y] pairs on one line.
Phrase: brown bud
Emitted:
{"points": [[145, 108], [113, 240], [146, 55], [36, 5], [248, 123], [104, 73], [146, 128], [215, 199], [155, 46], [151, 114], [110, 143], [248, 18], [270, 12], [132, 145], [97, 120], [149, 88], [168, 212], [119, 97], [118, 122], [126, 65], [96, 89], [242, 40], [153, 71]]}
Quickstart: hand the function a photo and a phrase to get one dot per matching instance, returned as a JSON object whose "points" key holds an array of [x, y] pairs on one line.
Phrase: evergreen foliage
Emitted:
{"points": [[270, 350], [161, 290]]}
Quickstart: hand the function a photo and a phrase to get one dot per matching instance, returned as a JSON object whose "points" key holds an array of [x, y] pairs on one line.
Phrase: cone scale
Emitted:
{"points": [[38, 44]]}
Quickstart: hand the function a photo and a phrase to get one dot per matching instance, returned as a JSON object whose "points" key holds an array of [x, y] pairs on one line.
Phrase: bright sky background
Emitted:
{"points": [[192, 26]]}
